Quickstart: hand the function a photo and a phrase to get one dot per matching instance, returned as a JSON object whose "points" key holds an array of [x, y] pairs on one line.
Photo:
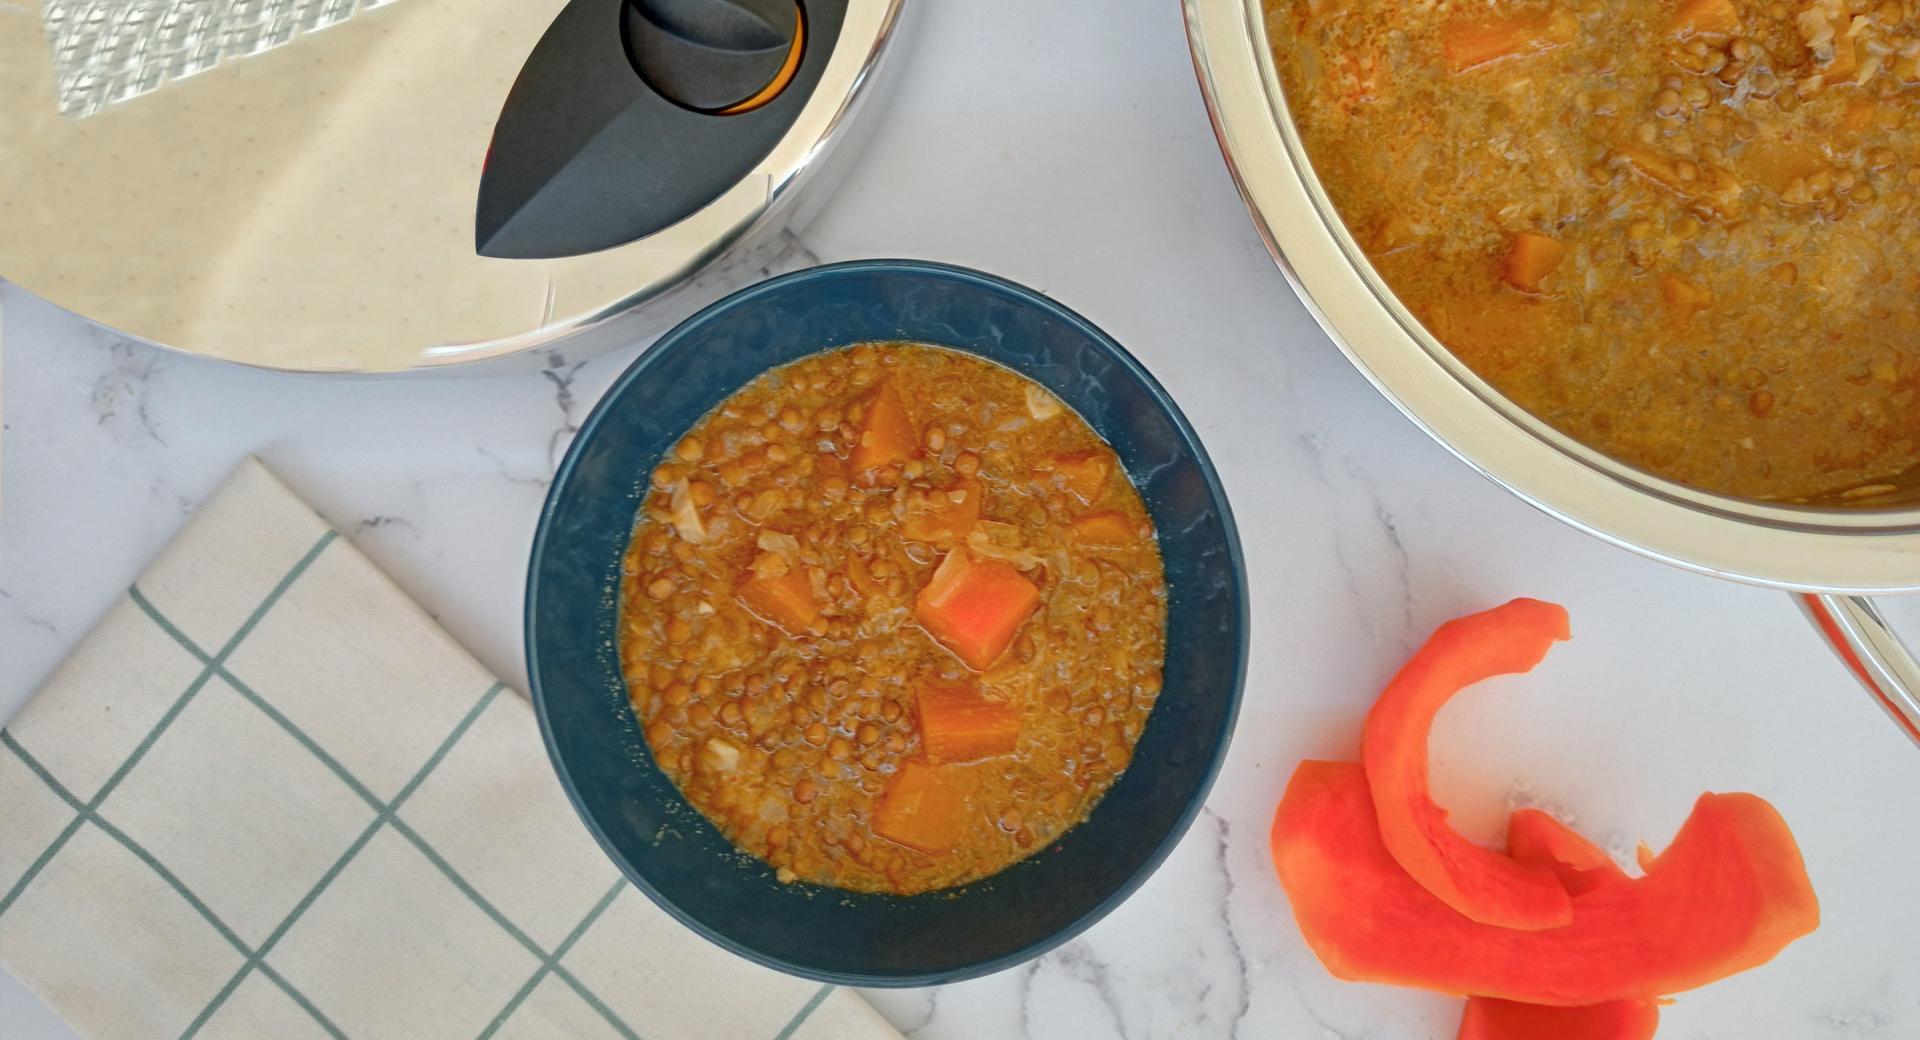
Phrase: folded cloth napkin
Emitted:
{"points": [[269, 797]]}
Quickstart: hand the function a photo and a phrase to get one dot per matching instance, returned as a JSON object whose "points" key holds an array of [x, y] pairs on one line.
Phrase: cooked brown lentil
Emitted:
{"points": [[1729, 187], [789, 735]]}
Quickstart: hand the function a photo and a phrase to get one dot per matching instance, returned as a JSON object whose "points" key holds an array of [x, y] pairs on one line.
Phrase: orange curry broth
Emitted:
{"points": [[780, 600], [1682, 231]]}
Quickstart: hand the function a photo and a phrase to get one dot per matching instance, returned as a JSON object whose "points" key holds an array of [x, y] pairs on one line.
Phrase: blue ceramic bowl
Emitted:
{"points": [[664, 845]]}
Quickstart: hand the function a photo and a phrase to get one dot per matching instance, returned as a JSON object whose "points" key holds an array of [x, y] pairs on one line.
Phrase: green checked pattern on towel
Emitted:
{"points": [[269, 797]]}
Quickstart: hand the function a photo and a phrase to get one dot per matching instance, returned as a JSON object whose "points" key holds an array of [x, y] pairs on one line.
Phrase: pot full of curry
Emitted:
{"points": [[1652, 265]]}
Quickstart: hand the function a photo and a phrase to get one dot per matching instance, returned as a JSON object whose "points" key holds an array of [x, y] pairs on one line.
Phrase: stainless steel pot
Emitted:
{"points": [[1832, 556]]}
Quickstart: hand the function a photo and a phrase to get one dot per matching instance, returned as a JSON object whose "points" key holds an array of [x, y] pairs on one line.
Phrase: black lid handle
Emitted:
{"points": [[710, 55]]}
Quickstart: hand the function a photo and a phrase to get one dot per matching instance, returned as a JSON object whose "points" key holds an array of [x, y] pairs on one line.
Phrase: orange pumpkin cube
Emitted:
{"points": [[1704, 16], [924, 807], [1530, 259], [973, 607], [958, 724], [886, 433], [1083, 473], [786, 599], [1104, 529], [1471, 40], [946, 516]]}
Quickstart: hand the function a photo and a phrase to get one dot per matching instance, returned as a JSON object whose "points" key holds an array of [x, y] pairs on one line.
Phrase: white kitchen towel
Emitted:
{"points": [[269, 797]]}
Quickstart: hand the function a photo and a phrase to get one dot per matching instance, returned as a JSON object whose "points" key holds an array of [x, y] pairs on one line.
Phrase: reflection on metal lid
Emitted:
{"points": [[292, 183], [105, 51]]}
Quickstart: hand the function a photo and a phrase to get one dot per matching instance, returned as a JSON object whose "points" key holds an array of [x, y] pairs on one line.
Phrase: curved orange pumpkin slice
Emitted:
{"points": [[1727, 895], [1486, 886], [1489, 1019], [1535, 837]]}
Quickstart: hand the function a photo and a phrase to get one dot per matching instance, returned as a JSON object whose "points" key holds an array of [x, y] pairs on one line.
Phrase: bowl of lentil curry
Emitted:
{"points": [[1646, 263], [886, 623]]}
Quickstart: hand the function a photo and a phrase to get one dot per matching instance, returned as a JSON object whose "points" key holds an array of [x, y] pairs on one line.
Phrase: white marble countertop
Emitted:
{"points": [[1072, 153]]}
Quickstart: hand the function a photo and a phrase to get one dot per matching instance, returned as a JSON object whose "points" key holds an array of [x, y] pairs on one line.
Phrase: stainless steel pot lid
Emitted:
{"points": [[359, 185]]}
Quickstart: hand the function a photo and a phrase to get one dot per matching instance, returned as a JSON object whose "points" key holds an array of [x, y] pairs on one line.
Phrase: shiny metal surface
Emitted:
{"points": [[108, 51], [1814, 548], [1842, 550], [1871, 650], [298, 193]]}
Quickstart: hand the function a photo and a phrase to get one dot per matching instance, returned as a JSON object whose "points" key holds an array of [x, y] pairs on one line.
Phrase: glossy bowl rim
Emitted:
{"points": [[687, 332], [1800, 548]]}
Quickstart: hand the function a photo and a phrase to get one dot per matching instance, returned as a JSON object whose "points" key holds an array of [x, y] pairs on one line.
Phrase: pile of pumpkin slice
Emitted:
{"points": [[1550, 940]]}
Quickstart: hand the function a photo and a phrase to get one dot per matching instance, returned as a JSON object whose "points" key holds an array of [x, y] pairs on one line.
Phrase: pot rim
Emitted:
{"points": [[1797, 547]]}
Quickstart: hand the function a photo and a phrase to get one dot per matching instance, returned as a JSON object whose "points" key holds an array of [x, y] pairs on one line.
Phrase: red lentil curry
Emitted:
{"points": [[1685, 232], [893, 618]]}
